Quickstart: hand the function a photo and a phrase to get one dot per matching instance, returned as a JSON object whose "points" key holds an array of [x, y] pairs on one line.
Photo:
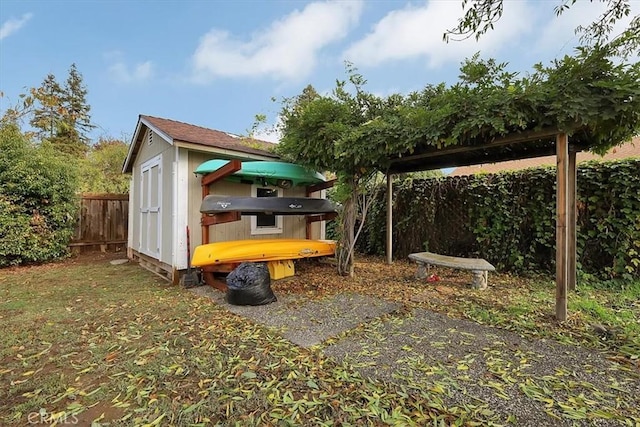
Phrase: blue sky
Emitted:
{"points": [[219, 63]]}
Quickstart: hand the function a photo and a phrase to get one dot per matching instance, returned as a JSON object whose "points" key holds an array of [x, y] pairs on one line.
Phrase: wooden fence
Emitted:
{"points": [[102, 222]]}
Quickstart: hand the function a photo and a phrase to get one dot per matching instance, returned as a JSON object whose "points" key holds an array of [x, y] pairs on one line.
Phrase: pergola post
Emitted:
{"points": [[389, 219], [562, 264], [572, 220]]}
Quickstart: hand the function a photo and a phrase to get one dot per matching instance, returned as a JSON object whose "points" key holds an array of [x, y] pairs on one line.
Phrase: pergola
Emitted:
{"points": [[519, 145]]}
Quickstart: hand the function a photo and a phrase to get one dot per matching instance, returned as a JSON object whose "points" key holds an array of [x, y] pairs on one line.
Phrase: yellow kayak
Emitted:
{"points": [[260, 250]]}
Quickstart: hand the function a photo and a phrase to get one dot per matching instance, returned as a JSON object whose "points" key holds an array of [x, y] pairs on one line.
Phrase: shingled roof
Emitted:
{"points": [[623, 151], [184, 133]]}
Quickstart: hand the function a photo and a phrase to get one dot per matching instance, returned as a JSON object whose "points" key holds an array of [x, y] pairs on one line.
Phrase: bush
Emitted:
{"points": [[37, 200]]}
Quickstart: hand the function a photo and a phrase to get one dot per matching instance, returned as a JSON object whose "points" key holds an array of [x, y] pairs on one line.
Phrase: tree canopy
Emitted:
{"points": [[589, 96], [61, 113], [60, 120], [46, 116], [354, 133], [101, 169], [328, 133]]}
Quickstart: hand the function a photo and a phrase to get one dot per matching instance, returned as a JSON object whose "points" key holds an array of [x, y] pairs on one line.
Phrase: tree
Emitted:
{"points": [[66, 140], [48, 112], [15, 114], [482, 15], [101, 170], [61, 114], [341, 133], [76, 107]]}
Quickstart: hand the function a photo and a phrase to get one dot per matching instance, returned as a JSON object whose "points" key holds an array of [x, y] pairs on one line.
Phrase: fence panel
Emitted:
{"points": [[102, 221]]}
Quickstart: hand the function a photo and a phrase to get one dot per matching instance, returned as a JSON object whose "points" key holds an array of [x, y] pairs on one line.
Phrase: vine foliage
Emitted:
{"points": [[356, 134]]}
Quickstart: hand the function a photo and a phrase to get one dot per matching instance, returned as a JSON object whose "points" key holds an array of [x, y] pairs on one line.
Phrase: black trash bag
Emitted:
{"points": [[250, 284]]}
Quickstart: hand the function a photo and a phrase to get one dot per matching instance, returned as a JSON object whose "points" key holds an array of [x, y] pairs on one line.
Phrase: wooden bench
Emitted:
{"points": [[478, 266]]}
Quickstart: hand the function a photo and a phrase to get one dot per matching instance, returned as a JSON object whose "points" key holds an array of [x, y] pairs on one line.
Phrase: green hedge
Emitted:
{"points": [[509, 219], [37, 200]]}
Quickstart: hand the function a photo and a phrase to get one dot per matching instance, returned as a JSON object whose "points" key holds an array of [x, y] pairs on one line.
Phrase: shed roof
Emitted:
{"points": [[176, 132]]}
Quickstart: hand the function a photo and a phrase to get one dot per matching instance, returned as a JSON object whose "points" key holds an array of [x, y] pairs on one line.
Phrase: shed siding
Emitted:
{"points": [[158, 147], [167, 248], [180, 206]]}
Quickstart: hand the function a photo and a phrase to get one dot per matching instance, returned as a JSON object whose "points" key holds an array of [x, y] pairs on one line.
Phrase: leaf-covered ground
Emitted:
{"points": [[85, 341]]}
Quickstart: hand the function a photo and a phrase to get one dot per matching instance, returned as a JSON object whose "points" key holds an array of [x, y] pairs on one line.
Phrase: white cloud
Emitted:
{"points": [[288, 49], [123, 73], [12, 25], [416, 32]]}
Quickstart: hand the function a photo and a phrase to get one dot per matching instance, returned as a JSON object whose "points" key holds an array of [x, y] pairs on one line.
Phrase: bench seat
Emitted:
{"points": [[478, 266]]}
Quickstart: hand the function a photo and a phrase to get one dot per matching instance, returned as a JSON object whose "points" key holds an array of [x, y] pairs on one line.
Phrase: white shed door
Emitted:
{"points": [[150, 201]]}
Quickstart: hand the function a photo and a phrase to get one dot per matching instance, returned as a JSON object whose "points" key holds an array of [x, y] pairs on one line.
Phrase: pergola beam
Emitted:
{"points": [[495, 143]]}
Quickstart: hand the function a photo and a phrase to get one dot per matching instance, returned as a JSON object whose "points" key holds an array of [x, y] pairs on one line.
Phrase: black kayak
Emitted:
{"points": [[213, 204]]}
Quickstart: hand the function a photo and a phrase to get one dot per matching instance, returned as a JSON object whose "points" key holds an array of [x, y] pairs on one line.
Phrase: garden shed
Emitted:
{"points": [[165, 194]]}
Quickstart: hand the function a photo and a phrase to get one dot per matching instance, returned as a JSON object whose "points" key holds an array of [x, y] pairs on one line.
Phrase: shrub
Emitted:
{"points": [[37, 200]]}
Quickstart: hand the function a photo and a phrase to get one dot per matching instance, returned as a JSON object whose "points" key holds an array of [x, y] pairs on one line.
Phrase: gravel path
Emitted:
{"points": [[465, 363], [308, 323], [458, 365]]}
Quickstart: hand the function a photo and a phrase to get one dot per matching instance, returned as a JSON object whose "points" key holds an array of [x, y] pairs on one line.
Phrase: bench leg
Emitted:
{"points": [[423, 271], [480, 279]]}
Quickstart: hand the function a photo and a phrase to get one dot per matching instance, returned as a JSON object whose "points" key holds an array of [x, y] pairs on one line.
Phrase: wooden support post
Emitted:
{"points": [[321, 186], [389, 218], [208, 179], [222, 172], [210, 280], [562, 178], [571, 221], [307, 230], [309, 191], [205, 227], [220, 218], [321, 217]]}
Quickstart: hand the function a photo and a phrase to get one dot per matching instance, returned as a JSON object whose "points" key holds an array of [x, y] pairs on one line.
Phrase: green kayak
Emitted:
{"points": [[272, 173]]}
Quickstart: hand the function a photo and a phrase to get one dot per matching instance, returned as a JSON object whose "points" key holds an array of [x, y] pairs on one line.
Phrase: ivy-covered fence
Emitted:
{"points": [[509, 219]]}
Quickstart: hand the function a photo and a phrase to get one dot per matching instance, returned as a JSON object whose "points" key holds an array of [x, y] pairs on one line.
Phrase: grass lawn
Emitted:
{"points": [[84, 341]]}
